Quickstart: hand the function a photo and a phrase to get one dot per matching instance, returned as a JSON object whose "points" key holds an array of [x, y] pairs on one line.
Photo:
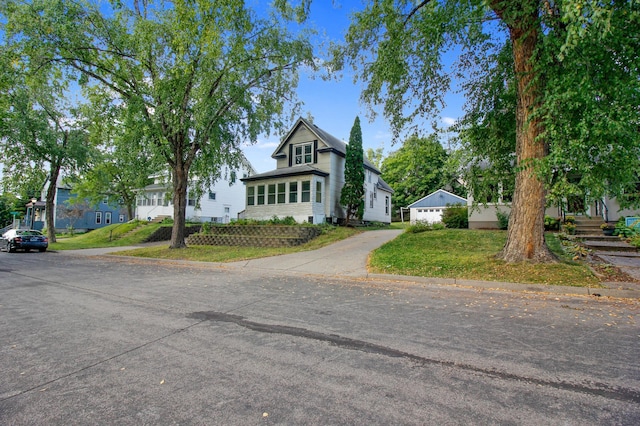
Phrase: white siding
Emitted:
{"points": [[228, 196], [299, 210]]}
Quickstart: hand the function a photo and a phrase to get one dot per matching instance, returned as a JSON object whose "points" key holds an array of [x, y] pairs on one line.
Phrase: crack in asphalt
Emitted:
{"points": [[593, 389]]}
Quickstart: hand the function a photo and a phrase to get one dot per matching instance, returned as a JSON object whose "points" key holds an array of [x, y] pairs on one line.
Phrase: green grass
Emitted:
{"points": [[236, 253], [449, 253], [470, 254], [109, 236]]}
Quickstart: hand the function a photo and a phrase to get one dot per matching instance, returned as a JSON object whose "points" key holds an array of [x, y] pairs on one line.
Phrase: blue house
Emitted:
{"points": [[81, 216]]}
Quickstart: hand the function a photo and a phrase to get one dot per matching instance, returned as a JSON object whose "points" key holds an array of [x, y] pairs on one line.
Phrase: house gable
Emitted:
{"points": [[439, 198], [310, 158]]}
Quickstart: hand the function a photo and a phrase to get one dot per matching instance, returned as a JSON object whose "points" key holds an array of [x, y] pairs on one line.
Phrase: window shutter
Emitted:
{"points": [[315, 151], [290, 155]]}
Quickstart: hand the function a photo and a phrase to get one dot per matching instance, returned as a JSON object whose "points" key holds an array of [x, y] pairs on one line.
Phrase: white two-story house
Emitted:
{"points": [[222, 203], [308, 178]]}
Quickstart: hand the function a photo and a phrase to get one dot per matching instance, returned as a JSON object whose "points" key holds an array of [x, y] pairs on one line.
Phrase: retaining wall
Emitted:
{"points": [[255, 236]]}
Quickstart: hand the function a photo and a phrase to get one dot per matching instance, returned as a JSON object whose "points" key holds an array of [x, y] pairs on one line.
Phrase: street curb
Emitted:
{"points": [[516, 287]]}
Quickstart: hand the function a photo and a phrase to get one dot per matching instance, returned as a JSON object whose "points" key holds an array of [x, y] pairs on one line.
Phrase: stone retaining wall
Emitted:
{"points": [[256, 236], [164, 233]]}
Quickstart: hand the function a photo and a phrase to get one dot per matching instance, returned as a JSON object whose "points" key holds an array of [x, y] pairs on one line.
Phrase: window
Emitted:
{"points": [[303, 153], [212, 195], [306, 191], [318, 192], [386, 205], [227, 209], [121, 218], [232, 177], [282, 187], [271, 196], [107, 218], [98, 218], [251, 195], [293, 192], [370, 200], [260, 195], [191, 199], [105, 201], [375, 192]]}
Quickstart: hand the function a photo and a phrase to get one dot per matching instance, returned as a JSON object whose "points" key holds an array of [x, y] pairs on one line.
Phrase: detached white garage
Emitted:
{"points": [[430, 208]]}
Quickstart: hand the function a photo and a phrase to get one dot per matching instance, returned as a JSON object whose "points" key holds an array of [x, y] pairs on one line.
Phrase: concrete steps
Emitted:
{"points": [[612, 246], [588, 226]]}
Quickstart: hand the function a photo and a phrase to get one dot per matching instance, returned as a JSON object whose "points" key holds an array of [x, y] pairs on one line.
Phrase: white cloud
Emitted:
{"points": [[448, 121]]}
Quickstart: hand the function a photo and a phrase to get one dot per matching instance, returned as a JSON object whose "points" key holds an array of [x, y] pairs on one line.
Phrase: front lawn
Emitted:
{"points": [[123, 234], [470, 254]]}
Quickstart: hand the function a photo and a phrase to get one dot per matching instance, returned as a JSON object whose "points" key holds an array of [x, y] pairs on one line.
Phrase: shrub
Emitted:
{"points": [[551, 224], [287, 220], [623, 231], [569, 219], [455, 217], [206, 227], [503, 220], [570, 228], [418, 227]]}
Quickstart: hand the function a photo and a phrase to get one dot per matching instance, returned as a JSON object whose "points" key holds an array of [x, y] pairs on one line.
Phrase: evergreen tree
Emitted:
{"points": [[352, 194]]}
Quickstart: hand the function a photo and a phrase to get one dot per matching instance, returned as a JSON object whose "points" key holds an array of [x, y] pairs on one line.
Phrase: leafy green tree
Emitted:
{"points": [[42, 135], [8, 204], [205, 76], [575, 83], [375, 156], [353, 191], [415, 170], [123, 165]]}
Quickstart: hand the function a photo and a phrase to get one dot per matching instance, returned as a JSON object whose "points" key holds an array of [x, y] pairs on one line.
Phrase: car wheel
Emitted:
{"points": [[42, 250], [11, 248]]}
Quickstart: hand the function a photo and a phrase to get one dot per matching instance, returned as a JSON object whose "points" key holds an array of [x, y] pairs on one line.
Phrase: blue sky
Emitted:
{"points": [[335, 104]]}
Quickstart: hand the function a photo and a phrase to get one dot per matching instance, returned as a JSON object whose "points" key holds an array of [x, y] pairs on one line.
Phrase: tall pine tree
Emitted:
{"points": [[352, 194]]}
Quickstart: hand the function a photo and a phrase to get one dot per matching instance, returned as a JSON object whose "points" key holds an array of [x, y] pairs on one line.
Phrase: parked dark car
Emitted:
{"points": [[23, 239]]}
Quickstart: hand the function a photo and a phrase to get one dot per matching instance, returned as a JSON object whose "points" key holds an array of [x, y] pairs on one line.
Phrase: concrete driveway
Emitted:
{"points": [[346, 258]]}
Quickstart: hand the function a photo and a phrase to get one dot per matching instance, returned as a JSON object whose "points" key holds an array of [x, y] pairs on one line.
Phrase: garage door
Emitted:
{"points": [[429, 215]]}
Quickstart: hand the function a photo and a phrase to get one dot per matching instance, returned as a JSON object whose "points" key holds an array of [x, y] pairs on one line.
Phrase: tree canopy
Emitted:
{"points": [[41, 134], [203, 76], [416, 169], [563, 90]]}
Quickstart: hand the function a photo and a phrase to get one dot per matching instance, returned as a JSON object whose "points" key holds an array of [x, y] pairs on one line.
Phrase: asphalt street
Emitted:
{"points": [[109, 340]]}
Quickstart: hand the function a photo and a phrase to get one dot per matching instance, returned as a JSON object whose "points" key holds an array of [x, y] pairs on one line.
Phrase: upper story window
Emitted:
{"points": [[303, 153]]}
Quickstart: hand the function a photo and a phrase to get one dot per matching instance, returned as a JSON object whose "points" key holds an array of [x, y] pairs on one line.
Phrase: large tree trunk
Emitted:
{"points": [[49, 202], [180, 186], [525, 238]]}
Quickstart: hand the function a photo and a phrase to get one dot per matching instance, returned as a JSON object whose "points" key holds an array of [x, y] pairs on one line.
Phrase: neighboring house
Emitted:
{"points": [[483, 216], [81, 216], [308, 178], [222, 203], [429, 209]]}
